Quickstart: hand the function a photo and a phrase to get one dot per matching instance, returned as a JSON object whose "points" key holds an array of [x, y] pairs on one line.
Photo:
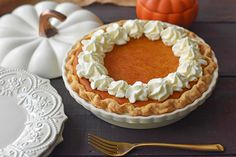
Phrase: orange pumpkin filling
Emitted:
{"points": [[138, 60]]}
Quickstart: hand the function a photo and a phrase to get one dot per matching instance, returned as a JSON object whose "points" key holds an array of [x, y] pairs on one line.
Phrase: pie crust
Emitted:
{"points": [[110, 104]]}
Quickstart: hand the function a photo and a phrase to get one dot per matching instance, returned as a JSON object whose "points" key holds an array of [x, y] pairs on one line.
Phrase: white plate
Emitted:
{"points": [[58, 141], [140, 122], [31, 114]]}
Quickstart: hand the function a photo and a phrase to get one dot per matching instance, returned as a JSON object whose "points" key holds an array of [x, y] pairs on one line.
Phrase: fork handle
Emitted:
{"points": [[197, 147]]}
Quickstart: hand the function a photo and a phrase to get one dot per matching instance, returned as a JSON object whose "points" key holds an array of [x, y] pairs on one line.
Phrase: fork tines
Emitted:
{"points": [[102, 145]]}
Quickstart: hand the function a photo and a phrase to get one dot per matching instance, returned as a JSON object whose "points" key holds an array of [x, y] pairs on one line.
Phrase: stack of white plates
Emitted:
{"points": [[31, 115]]}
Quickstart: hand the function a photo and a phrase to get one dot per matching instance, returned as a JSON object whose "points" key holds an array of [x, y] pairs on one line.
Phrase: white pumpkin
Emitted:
{"points": [[21, 45]]}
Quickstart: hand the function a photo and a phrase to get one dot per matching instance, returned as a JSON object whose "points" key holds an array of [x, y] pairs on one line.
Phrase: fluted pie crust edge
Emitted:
{"points": [[169, 105]]}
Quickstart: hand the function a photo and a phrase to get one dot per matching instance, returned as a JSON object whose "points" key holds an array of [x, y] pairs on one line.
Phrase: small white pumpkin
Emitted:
{"points": [[22, 46]]}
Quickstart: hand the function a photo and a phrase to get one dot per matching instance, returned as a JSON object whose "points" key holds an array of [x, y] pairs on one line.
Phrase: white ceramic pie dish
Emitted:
{"points": [[140, 122]]}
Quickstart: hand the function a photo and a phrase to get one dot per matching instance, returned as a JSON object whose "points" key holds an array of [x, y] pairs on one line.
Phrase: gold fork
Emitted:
{"points": [[112, 148]]}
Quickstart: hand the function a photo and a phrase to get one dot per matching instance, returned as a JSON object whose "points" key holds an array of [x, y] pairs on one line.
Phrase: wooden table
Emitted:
{"points": [[213, 122]]}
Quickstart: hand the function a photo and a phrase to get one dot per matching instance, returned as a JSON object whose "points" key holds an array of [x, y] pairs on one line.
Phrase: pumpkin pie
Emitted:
{"points": [[140, 68]]}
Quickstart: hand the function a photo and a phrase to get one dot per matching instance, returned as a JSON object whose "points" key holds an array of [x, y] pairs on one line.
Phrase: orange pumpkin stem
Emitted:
{"points": [[45, 27]]}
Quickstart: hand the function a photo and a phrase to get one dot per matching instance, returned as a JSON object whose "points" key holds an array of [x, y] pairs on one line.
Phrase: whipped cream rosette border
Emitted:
{"points": [[91, 60]]}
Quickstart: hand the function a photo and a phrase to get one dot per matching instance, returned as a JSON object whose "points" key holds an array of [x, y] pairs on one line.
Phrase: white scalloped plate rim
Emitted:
{"points": [[45, 118], [109, 116]]}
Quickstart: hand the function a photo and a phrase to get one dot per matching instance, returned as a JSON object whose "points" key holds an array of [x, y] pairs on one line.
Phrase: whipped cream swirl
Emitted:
{"points": [[118, 88], [183, 45], [101, 83], [177, 81], [134, 28], [192, 54], [86, 57], [171, 34], [190, 69], [91, 70], [117, 34], [137, 91], [100, 42], [159, 89], [153, 29]]}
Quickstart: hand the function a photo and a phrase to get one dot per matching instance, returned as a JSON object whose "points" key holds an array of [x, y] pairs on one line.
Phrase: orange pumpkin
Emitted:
{"points": [[179, 12]]}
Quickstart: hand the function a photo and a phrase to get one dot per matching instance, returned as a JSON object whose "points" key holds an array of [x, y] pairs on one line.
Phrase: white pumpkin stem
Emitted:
{"points": [[45, 27]]}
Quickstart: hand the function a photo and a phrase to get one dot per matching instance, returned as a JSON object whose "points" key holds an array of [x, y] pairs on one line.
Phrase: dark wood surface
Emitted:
{"points": [[213, 122]]}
